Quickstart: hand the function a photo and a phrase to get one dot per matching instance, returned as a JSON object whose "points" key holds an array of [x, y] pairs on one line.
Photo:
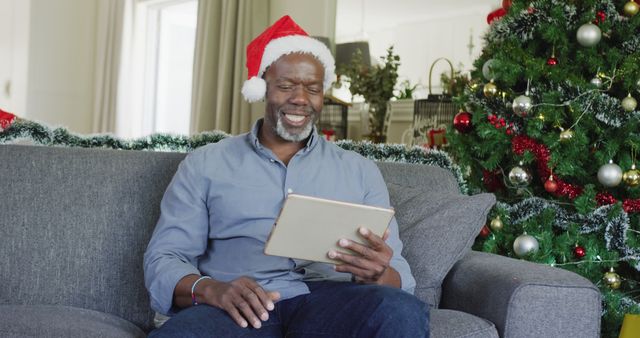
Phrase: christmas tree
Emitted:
{"points": [[550, 124]]}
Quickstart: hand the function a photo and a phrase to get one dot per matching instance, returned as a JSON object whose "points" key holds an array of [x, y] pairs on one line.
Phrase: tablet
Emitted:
{"points": [[308, 227]]}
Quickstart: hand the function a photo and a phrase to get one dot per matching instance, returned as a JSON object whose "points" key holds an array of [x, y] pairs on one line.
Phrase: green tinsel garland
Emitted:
{"points": [[40, 134]]}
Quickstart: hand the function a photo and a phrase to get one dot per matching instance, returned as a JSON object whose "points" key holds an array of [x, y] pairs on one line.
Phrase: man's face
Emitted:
{"points": [[294, 96]]}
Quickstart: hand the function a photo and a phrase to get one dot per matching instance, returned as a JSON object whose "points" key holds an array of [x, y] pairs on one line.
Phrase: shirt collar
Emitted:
{"points": [[253, 136]]}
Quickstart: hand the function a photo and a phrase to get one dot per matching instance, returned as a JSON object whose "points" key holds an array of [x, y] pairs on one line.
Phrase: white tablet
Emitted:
{"points": [[308, 227]]}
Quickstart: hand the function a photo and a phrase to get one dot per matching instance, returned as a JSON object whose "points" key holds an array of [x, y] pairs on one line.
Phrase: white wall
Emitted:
{"points": [[14, 56], [317, 18], [60, 85], [420, 30]]}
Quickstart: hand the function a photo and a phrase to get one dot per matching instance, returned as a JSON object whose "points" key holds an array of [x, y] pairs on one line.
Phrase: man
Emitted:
{"points": [[205, 265]]}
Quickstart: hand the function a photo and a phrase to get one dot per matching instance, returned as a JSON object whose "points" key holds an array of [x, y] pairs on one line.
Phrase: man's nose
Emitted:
{"points": [[299, 96]]}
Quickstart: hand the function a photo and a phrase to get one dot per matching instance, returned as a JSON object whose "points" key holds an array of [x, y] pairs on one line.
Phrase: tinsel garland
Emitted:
{"points": [[40, 134], [615, 224], [521, 143]]}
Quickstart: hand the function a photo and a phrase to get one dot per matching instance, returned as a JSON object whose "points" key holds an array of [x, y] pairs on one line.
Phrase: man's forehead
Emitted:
{"points": [[295, 65]]}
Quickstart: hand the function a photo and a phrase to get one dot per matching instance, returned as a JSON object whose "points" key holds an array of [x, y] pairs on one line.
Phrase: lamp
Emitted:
{"points": [[345, 51]]}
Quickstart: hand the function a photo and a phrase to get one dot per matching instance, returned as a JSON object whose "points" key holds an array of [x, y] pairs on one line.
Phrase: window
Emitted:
{"points": [[158, 68]]}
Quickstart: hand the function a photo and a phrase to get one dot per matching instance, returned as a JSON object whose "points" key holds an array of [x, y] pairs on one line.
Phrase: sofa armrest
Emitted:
{"points": [[523, 299]]}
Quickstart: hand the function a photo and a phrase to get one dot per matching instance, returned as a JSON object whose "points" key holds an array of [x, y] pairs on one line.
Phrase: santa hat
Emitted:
{"points": [[283, 37]]}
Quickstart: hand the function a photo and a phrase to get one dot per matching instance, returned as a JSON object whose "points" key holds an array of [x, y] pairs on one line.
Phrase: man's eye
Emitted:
{"points": [[285, 87], [314, 90]]}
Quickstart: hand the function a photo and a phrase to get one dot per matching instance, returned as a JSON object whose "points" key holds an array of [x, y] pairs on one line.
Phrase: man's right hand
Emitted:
{"points": [[243, 298]]}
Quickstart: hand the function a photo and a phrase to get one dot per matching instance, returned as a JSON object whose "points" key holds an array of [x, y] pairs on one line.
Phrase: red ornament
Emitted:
{"points": [[552, 61], [462, 122], [6, 120], [579, 252], [550, 185], [600, 16], [484, 232], [506, 4]]}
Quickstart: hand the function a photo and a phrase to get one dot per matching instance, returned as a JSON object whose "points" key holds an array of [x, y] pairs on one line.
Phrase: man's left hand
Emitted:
{"points": [[370, 263]]}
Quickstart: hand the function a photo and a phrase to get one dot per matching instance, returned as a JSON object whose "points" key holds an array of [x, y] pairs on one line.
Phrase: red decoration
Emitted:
{"points": [[550, 185], [329, 134], [462, 122], [495, 15], [600, 17], [492, 180], [436, 137], [552, 61], [631, 206], [605, 198], [6, 120], [579, 252], [484, 232], [506, 4], [521, 143]]}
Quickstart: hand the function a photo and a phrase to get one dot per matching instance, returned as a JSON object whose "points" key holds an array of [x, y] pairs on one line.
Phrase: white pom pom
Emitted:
{"points": [[254, 89]]}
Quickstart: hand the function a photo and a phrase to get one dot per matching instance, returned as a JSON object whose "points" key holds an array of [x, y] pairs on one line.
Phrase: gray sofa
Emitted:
{"points": [[75, 222]]}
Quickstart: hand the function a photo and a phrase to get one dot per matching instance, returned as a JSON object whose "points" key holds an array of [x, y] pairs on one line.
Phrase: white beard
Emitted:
{"points": [[285, 134]]}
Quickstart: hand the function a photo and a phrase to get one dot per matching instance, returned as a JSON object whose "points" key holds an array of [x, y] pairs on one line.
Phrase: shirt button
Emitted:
{"points": [[289, 191], [272, 160]]}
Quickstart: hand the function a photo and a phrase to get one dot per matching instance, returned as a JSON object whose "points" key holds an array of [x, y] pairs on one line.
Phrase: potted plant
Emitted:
{"points": [[376, 84]]}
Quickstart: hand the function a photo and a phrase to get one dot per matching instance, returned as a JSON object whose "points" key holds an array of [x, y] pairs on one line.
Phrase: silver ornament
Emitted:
{"points": [[610, 175], [629, 103], [588, 35], [521, 105], [487, 71], [525, 245], [596, 81], [519, 176]]}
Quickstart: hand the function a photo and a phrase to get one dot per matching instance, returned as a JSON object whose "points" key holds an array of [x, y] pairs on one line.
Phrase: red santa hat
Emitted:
{"points": [[283, 37]]}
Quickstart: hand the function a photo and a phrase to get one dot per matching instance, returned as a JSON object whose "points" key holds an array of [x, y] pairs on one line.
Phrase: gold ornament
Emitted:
{"points": [[612, 279], [631, 8], [632, 176], [629, 103], [566, 135], [490, 89], [496, 224]]}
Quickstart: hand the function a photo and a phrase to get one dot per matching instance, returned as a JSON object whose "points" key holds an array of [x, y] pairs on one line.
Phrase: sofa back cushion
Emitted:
{"points": [[75, 224], [437, 224]]}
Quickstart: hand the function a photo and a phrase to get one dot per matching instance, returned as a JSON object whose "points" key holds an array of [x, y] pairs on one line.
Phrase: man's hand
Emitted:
{"points": [[243, 298], [370, 264]]}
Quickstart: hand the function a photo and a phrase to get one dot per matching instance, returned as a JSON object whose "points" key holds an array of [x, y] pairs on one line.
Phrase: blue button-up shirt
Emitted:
{"points": [[218, 210]]}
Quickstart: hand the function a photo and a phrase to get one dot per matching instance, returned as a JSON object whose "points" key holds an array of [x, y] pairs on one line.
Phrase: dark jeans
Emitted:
{"points": [[332, 309]]}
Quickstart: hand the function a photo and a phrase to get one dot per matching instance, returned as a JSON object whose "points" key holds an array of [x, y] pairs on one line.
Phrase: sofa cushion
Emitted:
{"points": [[62, 321], [457, 324], [437, 229]]}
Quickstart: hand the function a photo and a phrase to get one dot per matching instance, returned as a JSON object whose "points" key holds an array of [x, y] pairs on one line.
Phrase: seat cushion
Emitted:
{"points": [[62, 321], [454, 324], [436, 229]]}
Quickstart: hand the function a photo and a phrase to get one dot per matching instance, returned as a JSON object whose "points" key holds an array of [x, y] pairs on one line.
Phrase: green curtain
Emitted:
{"points": [[224, 29]]}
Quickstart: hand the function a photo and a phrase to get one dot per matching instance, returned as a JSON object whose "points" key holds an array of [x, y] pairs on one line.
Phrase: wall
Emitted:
{"points": [[60, 83], [420, 30], [14, 55], [318, 18]]}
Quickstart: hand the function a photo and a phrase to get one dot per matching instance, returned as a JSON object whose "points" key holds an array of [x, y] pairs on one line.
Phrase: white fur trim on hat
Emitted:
{"points": [[254, 89], [303, 44]]}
